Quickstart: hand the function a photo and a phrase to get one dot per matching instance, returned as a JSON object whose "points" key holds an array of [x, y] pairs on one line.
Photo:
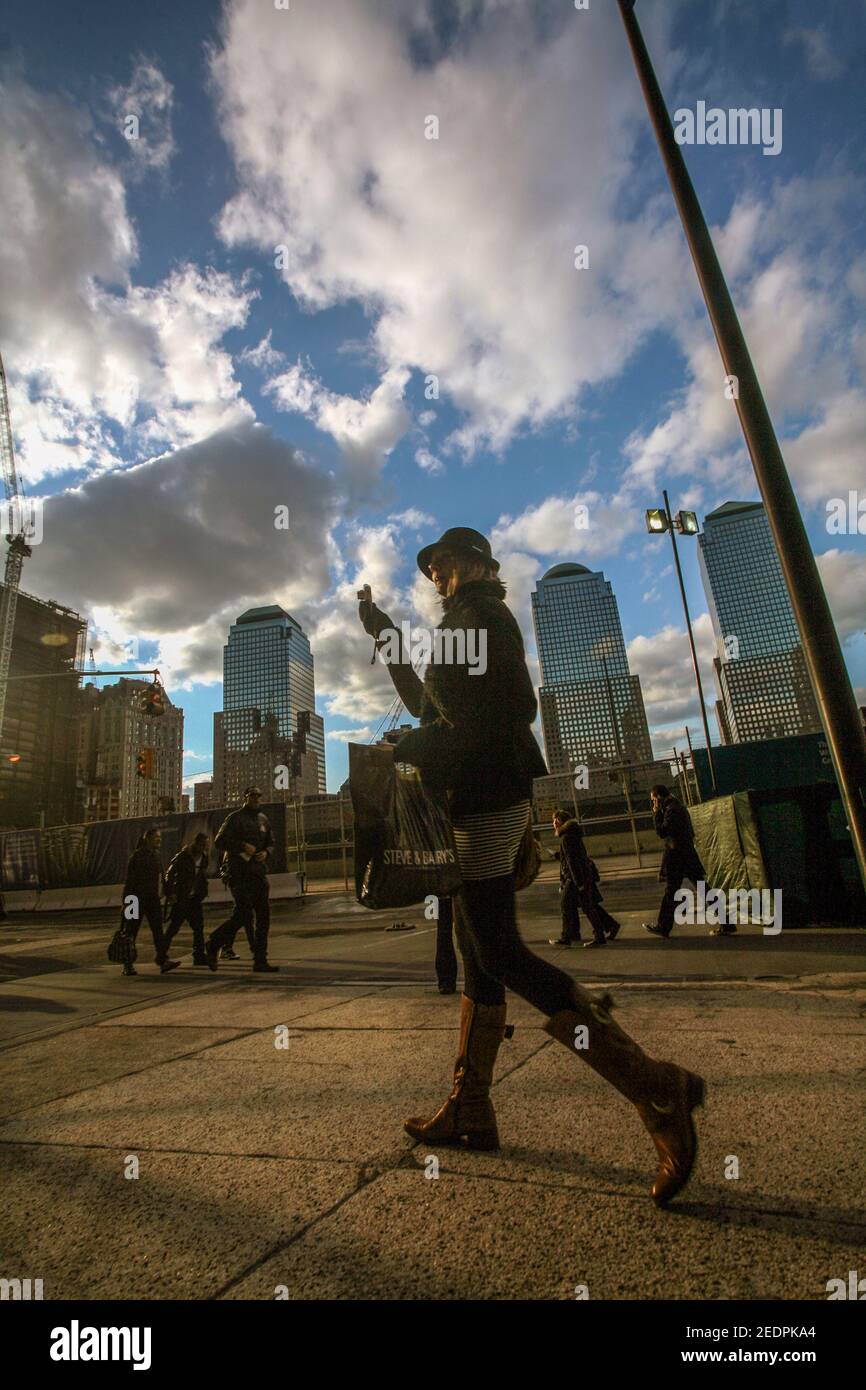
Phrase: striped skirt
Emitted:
{"points": [[487, 843]]}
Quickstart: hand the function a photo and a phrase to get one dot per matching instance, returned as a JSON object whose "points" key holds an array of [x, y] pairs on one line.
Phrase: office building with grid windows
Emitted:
{"points": [[267, 670], [592, 710], [114, 732], [760, 668]]}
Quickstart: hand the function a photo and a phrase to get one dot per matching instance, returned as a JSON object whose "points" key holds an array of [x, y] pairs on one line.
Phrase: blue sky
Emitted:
{"points": [[171, 383]]}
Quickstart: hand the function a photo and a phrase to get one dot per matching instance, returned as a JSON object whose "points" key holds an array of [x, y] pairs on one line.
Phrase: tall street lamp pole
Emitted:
{"points": [[673, 535], [837, 706], [619, 749], [658, 520]]}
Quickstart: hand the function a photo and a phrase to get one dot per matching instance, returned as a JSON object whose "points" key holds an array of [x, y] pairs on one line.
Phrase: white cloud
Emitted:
{"points": [[264, 357], [461, 249], [663, 662], [179, 562], [429, 462], [149, 98], [351, 735], [355, 687], [843, 574], [821, 62], [580, 526], [364, 430], [100, 369], [412, 518], [827, 458], [803, 375]]}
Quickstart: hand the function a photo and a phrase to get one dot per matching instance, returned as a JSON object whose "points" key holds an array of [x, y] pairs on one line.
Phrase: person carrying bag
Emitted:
{"points": [[476, 743]]}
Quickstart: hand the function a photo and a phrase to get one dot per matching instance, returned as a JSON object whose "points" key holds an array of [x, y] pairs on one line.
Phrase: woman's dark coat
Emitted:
{"points": [[144, 873], [476, 739]]}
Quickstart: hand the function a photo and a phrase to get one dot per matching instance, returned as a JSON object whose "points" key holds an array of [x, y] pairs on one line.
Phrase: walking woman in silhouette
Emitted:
{"points": [[476, 742]]}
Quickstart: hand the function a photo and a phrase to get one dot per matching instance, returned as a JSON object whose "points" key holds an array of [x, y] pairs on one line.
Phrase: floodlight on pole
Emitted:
{"points": [[686, 523], [659, 520]]}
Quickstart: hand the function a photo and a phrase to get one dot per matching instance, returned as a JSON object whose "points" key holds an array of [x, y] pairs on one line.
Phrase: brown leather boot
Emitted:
{"points": [[663, 1094], [467, 1116]]}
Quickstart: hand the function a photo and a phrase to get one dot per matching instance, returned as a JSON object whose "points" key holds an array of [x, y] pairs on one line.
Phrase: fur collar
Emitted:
{"points": [[475, 588], [566, 825]]}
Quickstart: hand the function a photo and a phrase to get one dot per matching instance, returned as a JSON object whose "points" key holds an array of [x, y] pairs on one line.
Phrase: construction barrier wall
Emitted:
{"points": [[91, 856]]}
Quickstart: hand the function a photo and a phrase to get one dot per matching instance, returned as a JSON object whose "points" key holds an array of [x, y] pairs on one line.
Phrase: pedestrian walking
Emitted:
{"points": [[245, 841], [680, 860], [186, 889], [143, 886], [578, 887], [569, 906], [446, 956], [476, 742]]}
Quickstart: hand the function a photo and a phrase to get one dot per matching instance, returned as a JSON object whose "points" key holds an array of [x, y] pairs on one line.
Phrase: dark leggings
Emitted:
{"points": [[494, 956]]}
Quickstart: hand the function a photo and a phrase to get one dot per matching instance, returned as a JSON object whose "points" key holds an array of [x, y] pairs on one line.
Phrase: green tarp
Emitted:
{"points": [[726, 838]]}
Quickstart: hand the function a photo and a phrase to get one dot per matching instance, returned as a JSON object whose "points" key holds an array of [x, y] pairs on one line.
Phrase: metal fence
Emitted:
{"points": [[613, 809]]}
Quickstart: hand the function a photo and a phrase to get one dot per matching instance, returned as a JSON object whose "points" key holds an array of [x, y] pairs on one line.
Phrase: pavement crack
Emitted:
{"points": [[365, 1179]]}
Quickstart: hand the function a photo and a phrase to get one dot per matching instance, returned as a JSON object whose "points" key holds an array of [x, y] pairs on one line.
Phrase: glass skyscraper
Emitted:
{"points": [[268, 669], [592, 709], [760, 668]]}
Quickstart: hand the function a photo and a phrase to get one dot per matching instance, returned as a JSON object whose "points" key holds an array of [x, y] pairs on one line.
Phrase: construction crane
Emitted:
{"points": [[17, 536]]}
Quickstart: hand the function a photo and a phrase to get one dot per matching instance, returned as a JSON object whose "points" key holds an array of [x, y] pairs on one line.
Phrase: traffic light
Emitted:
{"points": [[153, 702], [144, 763]]}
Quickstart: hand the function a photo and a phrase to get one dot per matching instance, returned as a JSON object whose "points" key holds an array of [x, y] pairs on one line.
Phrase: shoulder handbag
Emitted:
{"points": [[121, 948], [528, 860]]}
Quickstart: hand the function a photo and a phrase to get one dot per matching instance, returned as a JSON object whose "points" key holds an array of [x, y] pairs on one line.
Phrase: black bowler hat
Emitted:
{"points": [[462, 539]]}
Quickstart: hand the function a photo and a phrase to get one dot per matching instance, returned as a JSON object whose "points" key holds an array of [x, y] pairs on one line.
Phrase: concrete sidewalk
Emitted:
{"points": [[264, 1168]]}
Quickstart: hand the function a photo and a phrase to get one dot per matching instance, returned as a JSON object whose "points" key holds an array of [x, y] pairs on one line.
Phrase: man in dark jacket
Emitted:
{"points": [[186, 887], [244, 840], [680, 859], [141, 897]]}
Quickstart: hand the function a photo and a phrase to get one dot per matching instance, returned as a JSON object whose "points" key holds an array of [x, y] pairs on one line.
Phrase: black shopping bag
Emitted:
{"points": [[121, 948], [404, 845]]}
